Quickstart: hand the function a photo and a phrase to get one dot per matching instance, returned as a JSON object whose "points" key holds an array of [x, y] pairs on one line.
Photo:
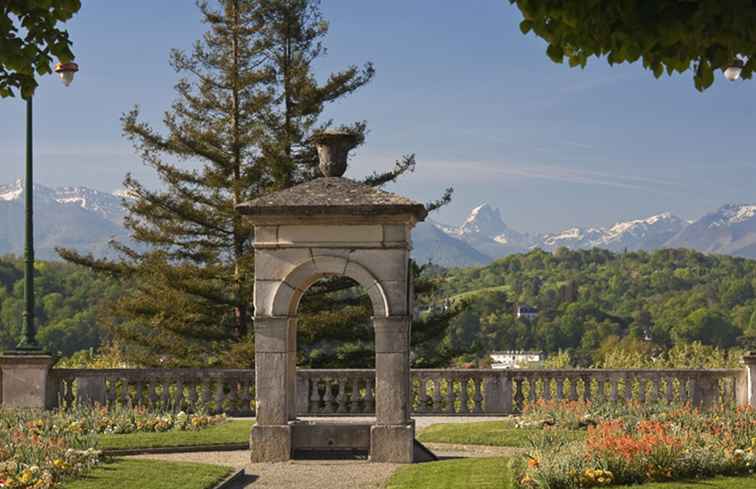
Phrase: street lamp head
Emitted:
{"points": [[66, 72], [733, 71]]}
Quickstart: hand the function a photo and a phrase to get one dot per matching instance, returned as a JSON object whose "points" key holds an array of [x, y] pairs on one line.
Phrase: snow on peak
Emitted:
{"points": [[734, 214], [13, 191]]}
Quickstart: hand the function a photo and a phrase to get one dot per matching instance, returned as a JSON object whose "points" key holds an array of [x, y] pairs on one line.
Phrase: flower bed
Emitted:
{"points": [[37, 450], [120, 420], [637, 445], [40, 449]]}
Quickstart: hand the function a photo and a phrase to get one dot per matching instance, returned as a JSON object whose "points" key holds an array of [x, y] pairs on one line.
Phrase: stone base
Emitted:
{"points": [[392, 443], [270, 444], [24, 381]]}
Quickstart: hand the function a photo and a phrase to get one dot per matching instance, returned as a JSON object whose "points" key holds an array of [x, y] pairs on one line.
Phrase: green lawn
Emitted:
{"points": [[151, 474], [493, 433], [234, 431], [469, 473], [496, 473]]}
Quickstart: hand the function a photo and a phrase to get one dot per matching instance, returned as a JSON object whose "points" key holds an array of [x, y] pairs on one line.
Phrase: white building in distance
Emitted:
{"points": [[516, 358]]}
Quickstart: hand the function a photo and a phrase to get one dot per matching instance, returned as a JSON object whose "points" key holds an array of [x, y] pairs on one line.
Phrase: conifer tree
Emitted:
{"points": [[245, 112]]}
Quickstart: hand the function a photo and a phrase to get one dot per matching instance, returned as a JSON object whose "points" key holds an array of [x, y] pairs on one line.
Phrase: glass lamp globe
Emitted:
{"points": [[66, 72], [732, 73]]}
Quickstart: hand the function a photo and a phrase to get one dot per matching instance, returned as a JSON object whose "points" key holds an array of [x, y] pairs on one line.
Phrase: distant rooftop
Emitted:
{"points": [[332, 196]]}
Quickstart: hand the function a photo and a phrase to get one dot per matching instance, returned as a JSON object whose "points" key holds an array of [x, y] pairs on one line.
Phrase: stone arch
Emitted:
{"points": [[291, 289]]}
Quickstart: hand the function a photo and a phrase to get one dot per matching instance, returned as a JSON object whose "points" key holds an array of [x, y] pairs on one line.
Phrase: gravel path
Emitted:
{"points": [[330, 474]]}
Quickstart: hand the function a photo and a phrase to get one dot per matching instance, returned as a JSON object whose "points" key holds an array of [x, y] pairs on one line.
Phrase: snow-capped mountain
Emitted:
{"points": [[69, 217], [730, 230], [639, 234], [485, 230]]}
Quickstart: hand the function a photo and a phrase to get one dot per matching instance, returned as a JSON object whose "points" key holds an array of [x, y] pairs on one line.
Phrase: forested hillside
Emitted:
{"points": [[67, 300], [593, 301]]}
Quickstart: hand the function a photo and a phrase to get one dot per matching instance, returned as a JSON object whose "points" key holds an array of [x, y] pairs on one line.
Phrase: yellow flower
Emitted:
{"points": [[26, 476]]}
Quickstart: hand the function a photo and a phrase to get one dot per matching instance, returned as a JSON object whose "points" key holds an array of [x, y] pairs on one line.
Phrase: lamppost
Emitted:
{"points": [[29, 342]]}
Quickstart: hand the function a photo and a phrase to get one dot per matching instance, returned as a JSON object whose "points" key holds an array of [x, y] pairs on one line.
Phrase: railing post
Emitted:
{"points": [[746, 384], [25, 380], [497, 391]]}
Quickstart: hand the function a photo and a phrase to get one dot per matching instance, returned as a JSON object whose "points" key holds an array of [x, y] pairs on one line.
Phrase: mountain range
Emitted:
{"points": [[87, 219], [730, 230]]}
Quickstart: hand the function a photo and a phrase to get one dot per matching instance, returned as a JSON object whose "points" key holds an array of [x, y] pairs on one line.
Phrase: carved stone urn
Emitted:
{"points": [[333, 148]]}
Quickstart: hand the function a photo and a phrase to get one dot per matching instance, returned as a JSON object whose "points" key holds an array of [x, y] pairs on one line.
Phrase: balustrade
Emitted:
{"points": [[351, 392]]}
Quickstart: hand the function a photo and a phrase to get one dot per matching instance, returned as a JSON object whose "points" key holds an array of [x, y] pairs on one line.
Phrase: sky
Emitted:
{"points": [[457, 84]]}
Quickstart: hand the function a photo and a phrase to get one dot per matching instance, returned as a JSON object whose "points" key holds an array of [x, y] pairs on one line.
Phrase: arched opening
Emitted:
{"points": [[334, 325]]}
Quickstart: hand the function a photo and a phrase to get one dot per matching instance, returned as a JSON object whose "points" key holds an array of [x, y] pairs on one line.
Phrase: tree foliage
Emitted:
{"points": [[29, 40], [247, 108], [665, 35], [67, 308], [594, 302]]}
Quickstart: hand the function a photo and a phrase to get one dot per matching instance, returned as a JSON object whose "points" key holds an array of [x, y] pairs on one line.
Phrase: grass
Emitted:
{"points": [[151, 474], [497, 473], [478, 473], [234, 431], [492, 433]]}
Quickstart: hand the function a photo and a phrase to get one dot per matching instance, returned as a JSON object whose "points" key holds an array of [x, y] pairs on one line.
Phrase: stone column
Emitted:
{"points": [[392, 437], [25, 380], [747, 383], [271, 435]]}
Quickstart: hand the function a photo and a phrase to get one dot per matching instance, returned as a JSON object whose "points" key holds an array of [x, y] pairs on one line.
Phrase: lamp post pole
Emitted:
{"points": [[28, 343], [29, 340]]}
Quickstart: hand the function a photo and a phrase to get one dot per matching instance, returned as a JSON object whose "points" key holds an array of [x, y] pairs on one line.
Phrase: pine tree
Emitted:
{"points": [[244, 116]]}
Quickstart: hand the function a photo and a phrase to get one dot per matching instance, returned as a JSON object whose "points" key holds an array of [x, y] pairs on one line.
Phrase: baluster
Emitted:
{"points": [[125, 400], [628, 387], [683, 389], [560, 388], [328, 397], [657, 391], [425, 398], [519, 397], [341, 397], [532, 387], [601, 388], [354, 398], [165, 396], [573, 389], [587, 388], [436, 395], [69, 396], [233, 397], [246, 397], [152, 394], [314, 386], [369, 406], [642, 389], [219, 396], [615, 384], [670, 389], [546, 390], [464, 395], [179, 402], [478, 398], [450, 396], [192, 399], [110, 392], [138, 393]]}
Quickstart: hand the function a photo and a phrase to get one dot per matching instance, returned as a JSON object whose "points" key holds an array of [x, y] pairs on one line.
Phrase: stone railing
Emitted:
{"points": [[351, 392], [229, 391]]}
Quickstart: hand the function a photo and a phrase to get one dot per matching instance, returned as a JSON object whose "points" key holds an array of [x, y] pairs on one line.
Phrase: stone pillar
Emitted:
{"points": [[271, 435], [498, 395], [747, 383], [392, 437], [25, 380]]}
